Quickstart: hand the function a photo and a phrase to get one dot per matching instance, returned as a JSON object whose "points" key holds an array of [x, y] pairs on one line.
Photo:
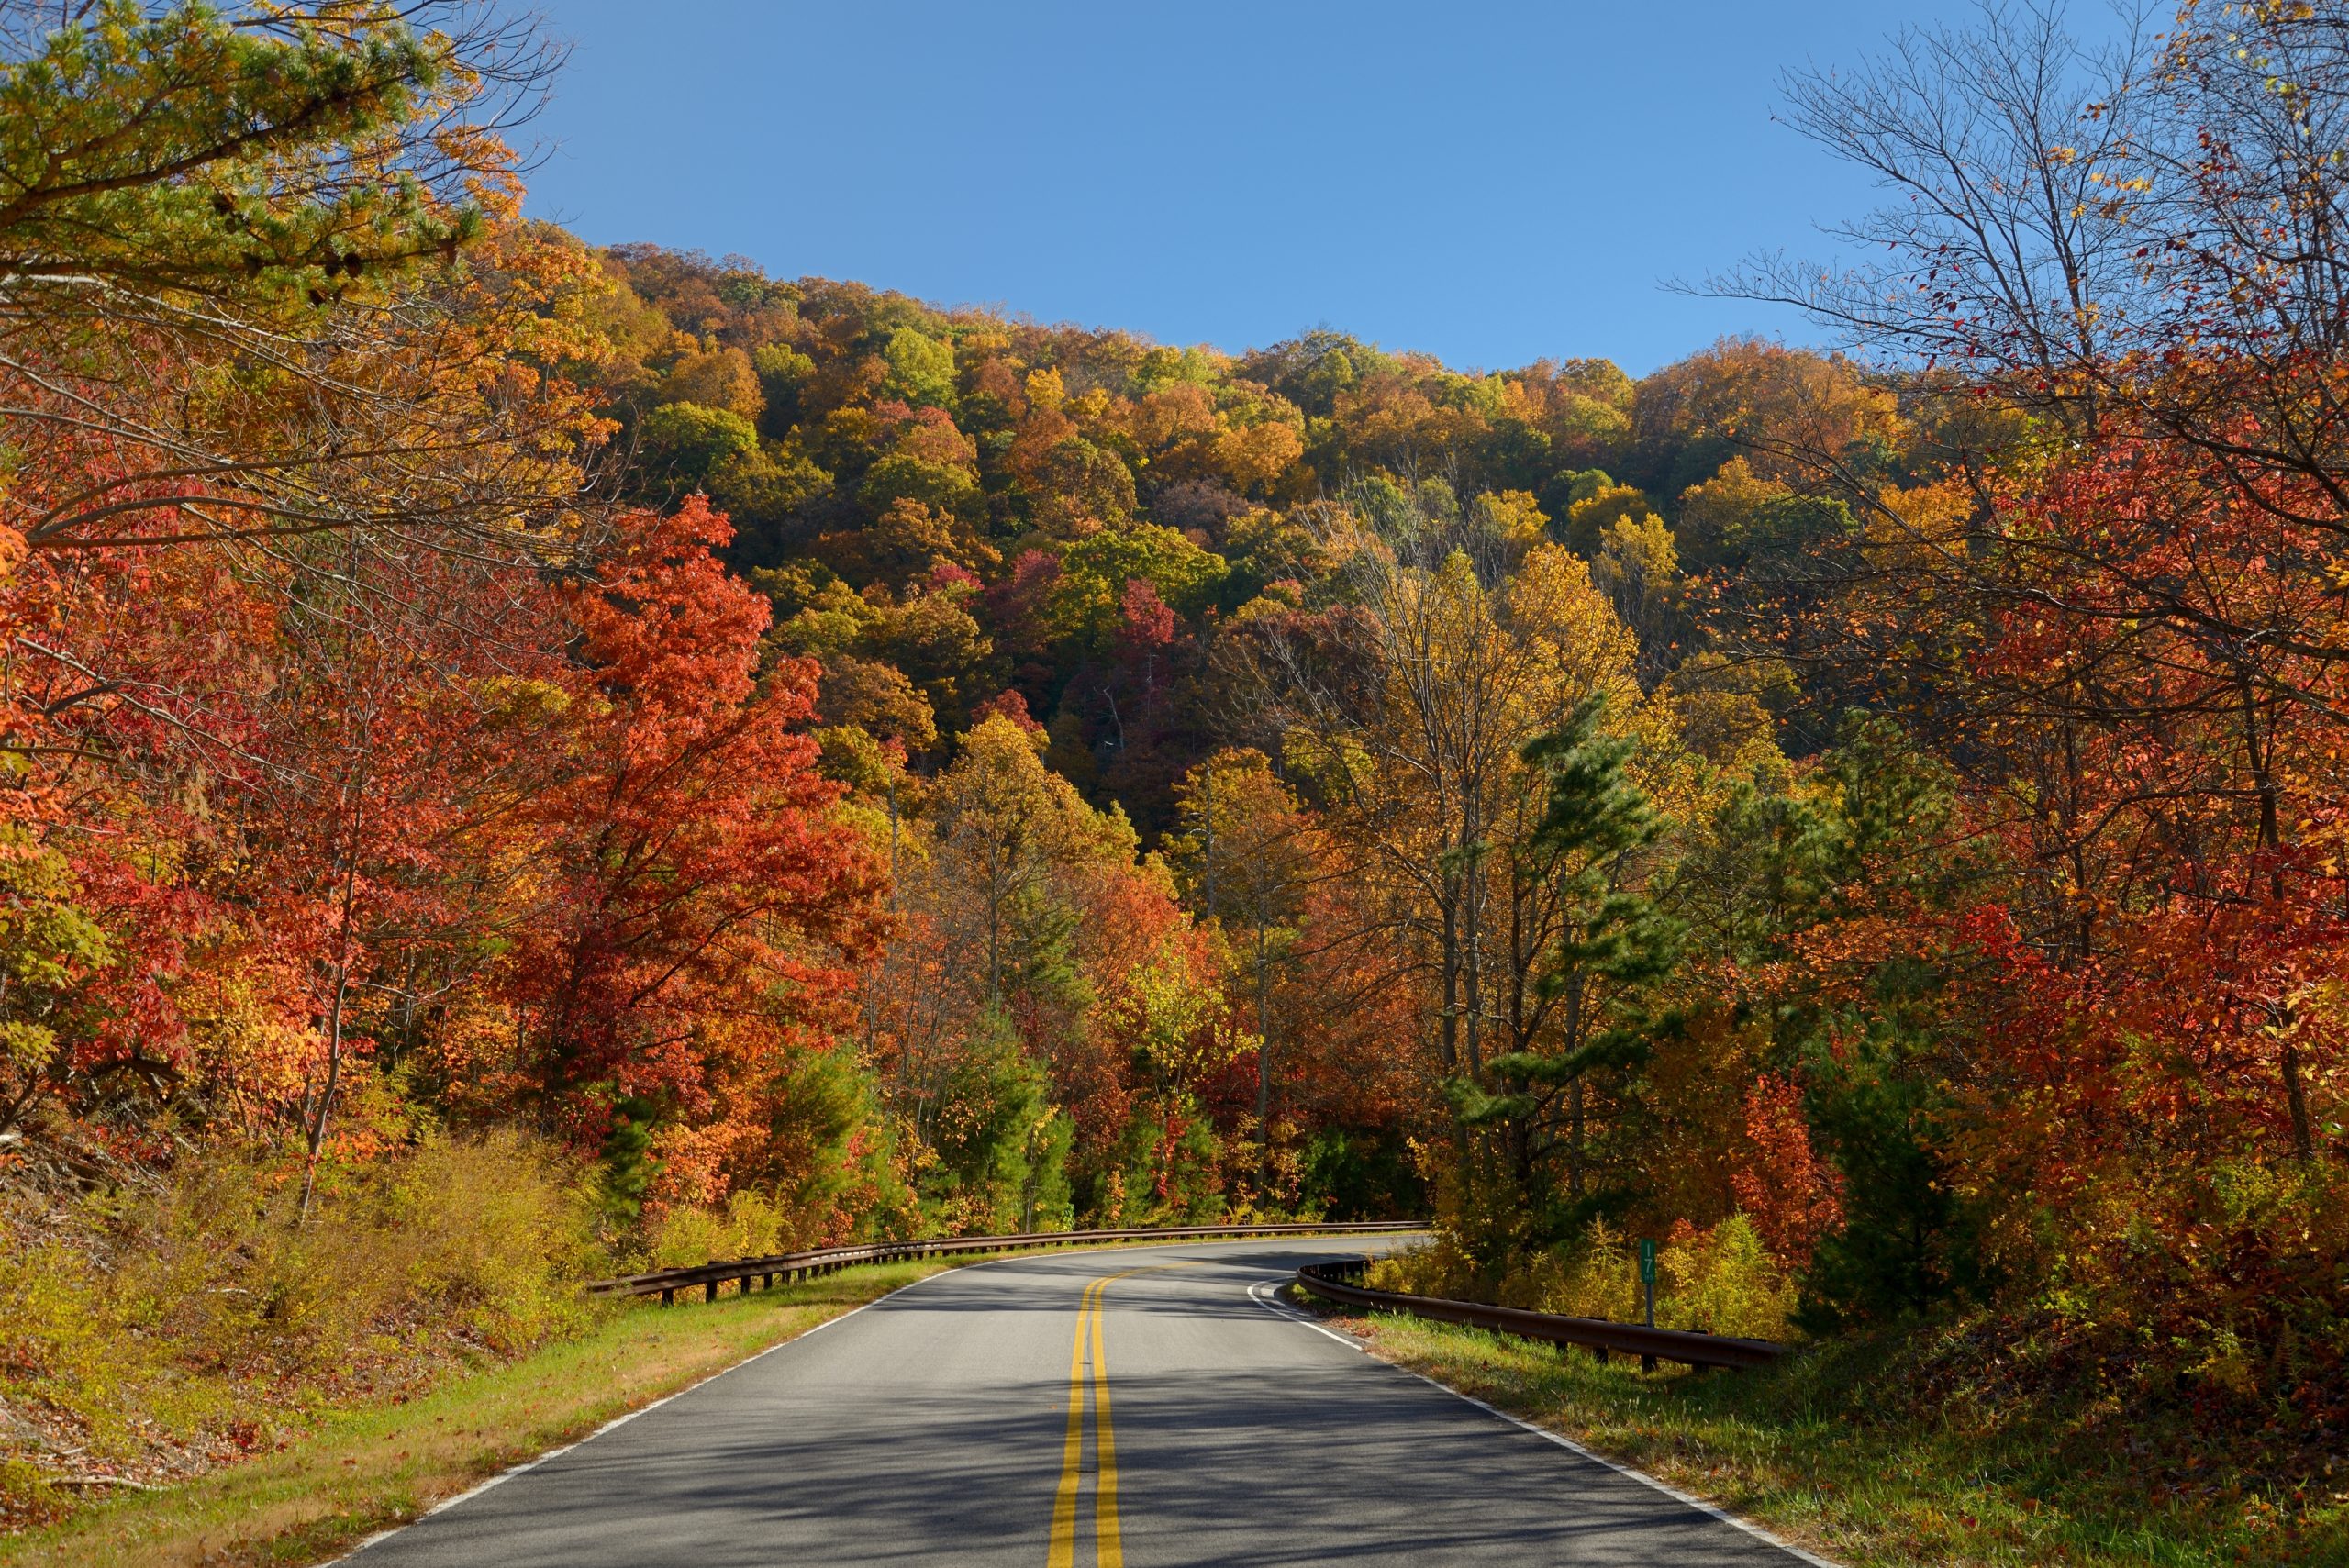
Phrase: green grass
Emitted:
{"points": [[369, 1468], [1827, 1451]]}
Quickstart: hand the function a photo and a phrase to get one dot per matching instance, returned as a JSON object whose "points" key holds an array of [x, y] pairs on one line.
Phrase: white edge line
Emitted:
{"points": [[511, 1472], [1282, 1310]]}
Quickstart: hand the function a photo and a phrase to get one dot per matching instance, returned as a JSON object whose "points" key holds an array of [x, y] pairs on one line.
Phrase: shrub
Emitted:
{"points": [[750, 1225], [154, 1332], [1721, 1280]]}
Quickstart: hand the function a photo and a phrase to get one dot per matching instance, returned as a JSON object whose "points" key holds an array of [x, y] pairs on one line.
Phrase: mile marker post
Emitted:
{"points": [[1647, 1289]]}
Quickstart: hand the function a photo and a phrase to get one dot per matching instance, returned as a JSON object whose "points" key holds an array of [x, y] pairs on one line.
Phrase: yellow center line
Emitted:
{"points": [[1108, 1542], [1064, 1547], [1108, 1551]]}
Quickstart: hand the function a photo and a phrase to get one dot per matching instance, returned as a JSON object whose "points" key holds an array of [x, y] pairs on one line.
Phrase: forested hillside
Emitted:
{"points": [[520, 759], [1067, 589]]}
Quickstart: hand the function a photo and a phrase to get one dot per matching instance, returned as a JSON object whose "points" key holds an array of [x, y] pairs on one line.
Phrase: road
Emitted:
{"points": [[1143, 1406]]}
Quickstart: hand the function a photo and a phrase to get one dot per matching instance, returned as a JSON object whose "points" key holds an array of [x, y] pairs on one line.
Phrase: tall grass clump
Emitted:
{"points": [[151, 1331]]}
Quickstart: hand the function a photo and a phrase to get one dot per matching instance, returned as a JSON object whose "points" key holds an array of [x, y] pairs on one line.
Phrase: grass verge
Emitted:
{"points": [[1823, 1450], [367, 1469]]}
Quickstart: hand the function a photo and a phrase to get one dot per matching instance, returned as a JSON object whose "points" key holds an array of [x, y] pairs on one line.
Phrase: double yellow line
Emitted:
{"points": [[1109, 1547]]}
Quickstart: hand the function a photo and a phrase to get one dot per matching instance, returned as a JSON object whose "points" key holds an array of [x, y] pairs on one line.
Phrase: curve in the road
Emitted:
{"points": [[947, 1423]]}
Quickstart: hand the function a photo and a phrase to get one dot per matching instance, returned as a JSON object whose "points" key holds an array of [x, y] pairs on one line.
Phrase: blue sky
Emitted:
{"points": [[1488, 183]]}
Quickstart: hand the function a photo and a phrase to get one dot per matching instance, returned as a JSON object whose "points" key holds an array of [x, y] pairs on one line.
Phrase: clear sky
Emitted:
{"points": [[1489, 182]]}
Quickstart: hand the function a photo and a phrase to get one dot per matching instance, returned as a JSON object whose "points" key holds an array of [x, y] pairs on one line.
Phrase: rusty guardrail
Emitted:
{"points": [[790, 1266], [1650, 1345]]}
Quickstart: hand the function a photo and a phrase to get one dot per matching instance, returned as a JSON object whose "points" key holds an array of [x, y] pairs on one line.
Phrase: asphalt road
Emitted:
{"points": [[994, 1415]]}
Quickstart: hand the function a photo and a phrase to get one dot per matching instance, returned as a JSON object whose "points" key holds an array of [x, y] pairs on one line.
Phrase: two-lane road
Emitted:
{"points": [[1140, 1406]]}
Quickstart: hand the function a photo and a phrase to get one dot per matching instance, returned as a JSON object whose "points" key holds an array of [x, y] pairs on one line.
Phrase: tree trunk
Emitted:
{"points": [[1264, 1062], [1574, 1112], [2271, 839], [2296, 1097], [318, 1128], [995, 935], [1448, 1024], [1472, 944]]}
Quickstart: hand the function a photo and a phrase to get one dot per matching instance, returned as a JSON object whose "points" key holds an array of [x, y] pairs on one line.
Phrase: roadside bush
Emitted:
{"points": [[1721, 1280], [749, 1226], [148, 1334], [2219, 1290]]}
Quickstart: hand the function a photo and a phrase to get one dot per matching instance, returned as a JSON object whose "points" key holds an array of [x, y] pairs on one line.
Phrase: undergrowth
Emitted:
{"points": [[1720, 1281], [154, 1332]]}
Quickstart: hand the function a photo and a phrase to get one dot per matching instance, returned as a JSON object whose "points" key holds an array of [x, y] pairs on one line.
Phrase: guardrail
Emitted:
{"points": [[1651, 1345], [790, 1266]]}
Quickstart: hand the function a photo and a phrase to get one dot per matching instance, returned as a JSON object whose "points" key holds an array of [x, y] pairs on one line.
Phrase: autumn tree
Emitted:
{"points": [[275, 451], [280, 191], [1250, 855], [1409, 709], [1005, 825], [705, 897], [1608, 945]]}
